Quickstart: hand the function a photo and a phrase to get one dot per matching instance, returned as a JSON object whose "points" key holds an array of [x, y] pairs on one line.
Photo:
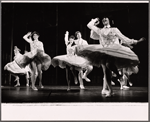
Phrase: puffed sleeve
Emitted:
{"points": [[123, 38], [94, 35]]}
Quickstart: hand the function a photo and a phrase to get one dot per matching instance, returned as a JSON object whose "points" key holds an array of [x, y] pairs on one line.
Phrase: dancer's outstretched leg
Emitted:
{"points": [[89, 68], [16, 80]]}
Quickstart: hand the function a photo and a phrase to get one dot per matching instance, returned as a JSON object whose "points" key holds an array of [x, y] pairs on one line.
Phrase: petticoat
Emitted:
{"points": [[44, 59]]}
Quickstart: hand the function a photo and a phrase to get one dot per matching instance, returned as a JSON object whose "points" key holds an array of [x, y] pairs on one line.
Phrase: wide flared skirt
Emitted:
{"points": [[122, 56], [14, 68], [44, 59], [64, 60], [39, 57], [19, 66]]}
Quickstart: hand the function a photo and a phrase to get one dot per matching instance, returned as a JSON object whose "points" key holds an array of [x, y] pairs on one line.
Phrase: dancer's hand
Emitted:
{"points": [[140, 40], [29, 33], [67, 32], [95, 20]]}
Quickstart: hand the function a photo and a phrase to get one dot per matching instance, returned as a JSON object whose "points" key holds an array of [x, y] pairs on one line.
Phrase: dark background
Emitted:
{"points": [[51, 20]]}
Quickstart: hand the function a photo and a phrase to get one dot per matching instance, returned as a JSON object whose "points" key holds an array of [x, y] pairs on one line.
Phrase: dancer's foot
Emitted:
{"points": [[34, 88], [87, 79], [82, 87], [104, 92], [108, 95], [75, 81], [124, 87], [112, 83], [41, 86], [122, 81], [130, 84], [17, 85], [68, 89], [27, 84], [17, 78]]}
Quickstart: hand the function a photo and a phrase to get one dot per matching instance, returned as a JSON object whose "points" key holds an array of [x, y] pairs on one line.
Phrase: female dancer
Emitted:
{"points": [[71, 61], [110, 55], [18, 66], [124, 71], [27, 68], [33, 40]]}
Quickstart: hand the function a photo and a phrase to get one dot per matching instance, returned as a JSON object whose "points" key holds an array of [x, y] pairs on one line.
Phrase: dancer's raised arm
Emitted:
{"points": [[27, 37], [92, 25], [66, 37]]}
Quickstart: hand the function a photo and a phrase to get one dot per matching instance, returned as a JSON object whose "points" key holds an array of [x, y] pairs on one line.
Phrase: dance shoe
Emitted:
{"points": [[27, 84], [107, 93], [68, 89], [17, 85], [130, 84], [85, 78], [124, 87], [75, 81], [104, 92], [17, 78], [82, 87], [112, 83], [41, 86], [34, 88]]}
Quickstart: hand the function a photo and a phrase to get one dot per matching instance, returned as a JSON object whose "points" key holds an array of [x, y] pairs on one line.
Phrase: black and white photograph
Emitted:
{"points": [[88, 58]]}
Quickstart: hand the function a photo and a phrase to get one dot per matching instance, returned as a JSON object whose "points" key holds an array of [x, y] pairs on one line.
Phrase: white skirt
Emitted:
{"points": [[14, 68]]}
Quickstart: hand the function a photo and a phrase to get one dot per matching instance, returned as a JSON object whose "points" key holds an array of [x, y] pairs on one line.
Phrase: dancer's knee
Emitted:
{"points": [[90, 67]]}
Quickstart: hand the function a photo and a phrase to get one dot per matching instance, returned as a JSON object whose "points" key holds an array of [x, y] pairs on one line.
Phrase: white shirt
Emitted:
{"points": [[81, 42]]}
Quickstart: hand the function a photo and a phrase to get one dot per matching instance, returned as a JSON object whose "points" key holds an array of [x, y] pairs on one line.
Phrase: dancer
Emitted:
{"points": [[27, 69], [70, 52], [78, 42], [95, 36], [18, 65], [33, 40], [71, 61], [109, 55]]}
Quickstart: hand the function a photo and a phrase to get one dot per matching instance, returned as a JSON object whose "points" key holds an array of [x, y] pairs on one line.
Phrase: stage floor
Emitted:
{"points": [[52, 94]]}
